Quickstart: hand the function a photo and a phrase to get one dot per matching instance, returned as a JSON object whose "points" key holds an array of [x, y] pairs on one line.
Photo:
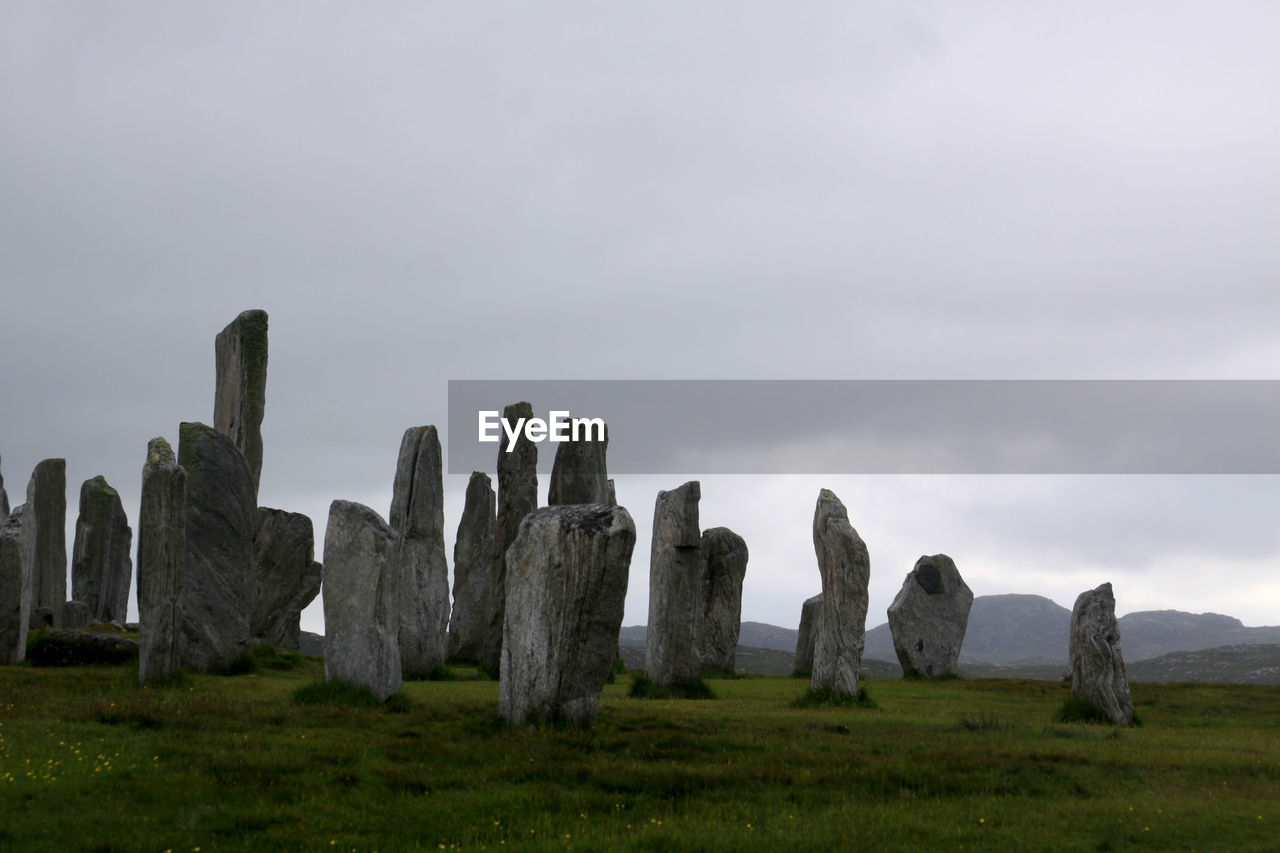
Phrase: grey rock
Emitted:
{"points": [[221, 521], [43, 618], [1097, 665], [724, 555], [675, 588], [928, 617], [64, 647], [566, 585], [17, 556], [578, 475], [517, 497], [240, 393], [417, 517], [4, 499], [472, 568], [162, 546], [101, 566], [47, 513], [810, 613], [76, 615], [286, 577], [361, 616], [846, 572], [612, 499]]}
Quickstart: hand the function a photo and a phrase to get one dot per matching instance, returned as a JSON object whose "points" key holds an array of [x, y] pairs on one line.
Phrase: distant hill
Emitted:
{"points": [[1255, 663], [1151, 633]]}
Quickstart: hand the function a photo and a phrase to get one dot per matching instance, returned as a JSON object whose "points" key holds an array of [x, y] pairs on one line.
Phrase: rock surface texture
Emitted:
{"points": [[810, 613], [4, 499], [566, 584], [472, 568], [361, 614], [724, 556], [1097, 666], [240, 392], [578, 475], [221, 521], [675, 588], [17, 555], [286, 577], [928, 617], [47, 515], [162, 546], [846, 572], [101, 566]]}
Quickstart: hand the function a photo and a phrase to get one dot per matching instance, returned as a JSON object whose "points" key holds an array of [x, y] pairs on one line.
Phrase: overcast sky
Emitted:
{"points": [[418, 192]]}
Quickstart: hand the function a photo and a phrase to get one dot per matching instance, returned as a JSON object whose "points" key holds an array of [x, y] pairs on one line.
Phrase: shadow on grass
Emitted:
{"points": [[828, 698], [344, 694], [643, 688], [1076, 710]]}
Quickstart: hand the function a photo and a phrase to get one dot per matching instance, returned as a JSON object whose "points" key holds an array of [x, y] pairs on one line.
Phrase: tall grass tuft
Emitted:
{"points": [[643, 688]]}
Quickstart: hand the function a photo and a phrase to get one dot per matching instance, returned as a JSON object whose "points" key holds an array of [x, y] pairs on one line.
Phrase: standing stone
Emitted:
{"points": [[928, 617], [101, 568], [810, 613], [472, 568], [240, 395], [578, 475], [162, 548], [4, 499], [566, 585], [286, 577], [47, 513], [675, 588], [361, 616], [77, 615], [222, 518], [846, 571], [517, 497], [612, 499], [724, 556], [417, 517], [1097, 666], [17, 556]]}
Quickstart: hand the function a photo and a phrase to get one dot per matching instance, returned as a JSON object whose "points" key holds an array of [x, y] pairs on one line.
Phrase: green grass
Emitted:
{"points": [[91, 761], [643, 688]]}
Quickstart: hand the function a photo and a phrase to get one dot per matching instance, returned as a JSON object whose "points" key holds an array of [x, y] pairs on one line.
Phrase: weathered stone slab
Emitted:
{"points": [[578, 475], [612, 499], [675, 588], [517, 497], [286, 577], [566, 585], [221, 520], [810, 613], [361, 614], [76, 615], [162, 547], [101, 568], [1097, 665], [47, 513], [472, 568], [724, 555], [17, 556], [928, 617], [67, 647], [240, 394], [846, 573]]}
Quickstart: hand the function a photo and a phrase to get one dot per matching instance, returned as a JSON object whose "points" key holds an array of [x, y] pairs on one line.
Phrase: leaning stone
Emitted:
{"points": [[675, 588], [566, 585], [846, 572], [724, 555], [222, 518], [17, 555], [578, 475], [361, 616], [928, 617], [101, 568], [1097, 666], [162, 546], [76, 615], [472, 567], [517, 497], [240, 394], [286, 577], [47, 508]]}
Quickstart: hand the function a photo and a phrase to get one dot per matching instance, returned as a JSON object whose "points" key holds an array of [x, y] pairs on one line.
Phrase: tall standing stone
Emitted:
{"points": [[472, 568], [101, 567], [846, 572], [286, 577], [361, 615], [928, 617], [675, 588], [417, 517], [240, 395], [1097, 666], [578, 475], [810, 613], [162, 554], [724, 555], [566, 585], [17, 555], [517, 497], [47, 513], [222, 518]]}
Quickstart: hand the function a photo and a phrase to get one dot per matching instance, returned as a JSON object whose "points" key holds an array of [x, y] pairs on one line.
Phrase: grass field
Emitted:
{"points": [[90, 761]]}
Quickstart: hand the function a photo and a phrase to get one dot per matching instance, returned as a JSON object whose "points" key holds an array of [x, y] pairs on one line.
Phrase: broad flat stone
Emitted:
{"points": [[566, 585], [675, 588], [101, 567], [162, 546], [724, 555], [286, 577], [472, 568], [47, 513], [846, 571], [928, 617], [240, 394], [1097, 665], [578, 475], [810, 613], [17, 556]]}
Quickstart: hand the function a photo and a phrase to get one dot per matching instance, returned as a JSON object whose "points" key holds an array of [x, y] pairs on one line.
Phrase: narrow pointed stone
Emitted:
{"points": [[101, 566], [724, 555], [17, 556], [579, 474], [286, 577], [472, 569], [846, 572], [239, 402], [47, 513], [675, 588], [1097, 665], [162, 546]]}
